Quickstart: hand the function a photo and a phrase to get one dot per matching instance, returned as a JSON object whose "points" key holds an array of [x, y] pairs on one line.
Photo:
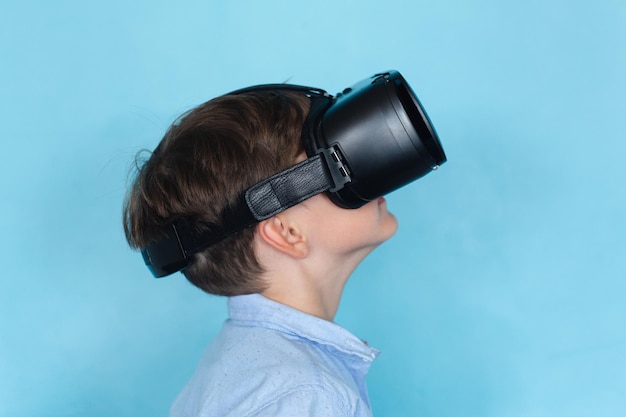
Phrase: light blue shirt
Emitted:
{"points": [[272, 360]]}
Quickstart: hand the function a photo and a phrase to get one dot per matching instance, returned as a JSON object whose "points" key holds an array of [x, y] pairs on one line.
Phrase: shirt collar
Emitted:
{"points": [[263, 312]]}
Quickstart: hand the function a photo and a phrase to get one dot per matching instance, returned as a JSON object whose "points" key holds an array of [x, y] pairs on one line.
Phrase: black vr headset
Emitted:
{"points": [[363, 143]]}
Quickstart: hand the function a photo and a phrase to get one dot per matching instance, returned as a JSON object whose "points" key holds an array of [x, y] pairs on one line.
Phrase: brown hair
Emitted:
{"points": [[203, 163]]}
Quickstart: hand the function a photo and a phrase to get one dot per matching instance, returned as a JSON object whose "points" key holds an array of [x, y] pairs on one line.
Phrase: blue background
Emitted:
{"points": [[501, 295]]}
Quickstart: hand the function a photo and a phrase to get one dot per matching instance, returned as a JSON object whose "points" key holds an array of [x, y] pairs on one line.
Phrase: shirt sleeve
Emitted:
{"points": [[305, 402]]}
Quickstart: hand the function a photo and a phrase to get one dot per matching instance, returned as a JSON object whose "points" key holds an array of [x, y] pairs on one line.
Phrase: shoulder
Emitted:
{"points": [[262, 372], [250, 349], [304, 401]]}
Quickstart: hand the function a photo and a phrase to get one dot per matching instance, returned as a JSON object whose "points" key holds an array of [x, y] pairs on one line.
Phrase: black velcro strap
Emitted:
{"points": [[288, 188]]}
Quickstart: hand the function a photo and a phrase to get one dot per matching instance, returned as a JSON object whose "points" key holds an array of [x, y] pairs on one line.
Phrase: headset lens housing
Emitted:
{"points": [[383, 136]]}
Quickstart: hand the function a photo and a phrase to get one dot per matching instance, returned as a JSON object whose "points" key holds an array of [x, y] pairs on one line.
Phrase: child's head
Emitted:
{"points": [[211, 183], [204, 162]]}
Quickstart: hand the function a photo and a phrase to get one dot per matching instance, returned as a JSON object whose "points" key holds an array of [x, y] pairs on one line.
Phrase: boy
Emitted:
{"points": [[279, 354]]}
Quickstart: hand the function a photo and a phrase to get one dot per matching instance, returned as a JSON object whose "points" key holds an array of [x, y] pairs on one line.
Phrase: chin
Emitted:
{"points": [[393, 229], [388, 228]]}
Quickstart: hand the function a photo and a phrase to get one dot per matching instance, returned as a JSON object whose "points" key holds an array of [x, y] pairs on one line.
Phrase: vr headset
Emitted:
{"points": [[368, 140]]}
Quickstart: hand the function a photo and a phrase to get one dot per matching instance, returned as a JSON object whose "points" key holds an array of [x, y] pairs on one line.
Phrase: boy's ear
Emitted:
{"points": [[283, 236]]}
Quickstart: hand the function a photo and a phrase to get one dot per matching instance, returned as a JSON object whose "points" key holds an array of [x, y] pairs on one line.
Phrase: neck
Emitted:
{"points": [[312, 303], [309, 287]]}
